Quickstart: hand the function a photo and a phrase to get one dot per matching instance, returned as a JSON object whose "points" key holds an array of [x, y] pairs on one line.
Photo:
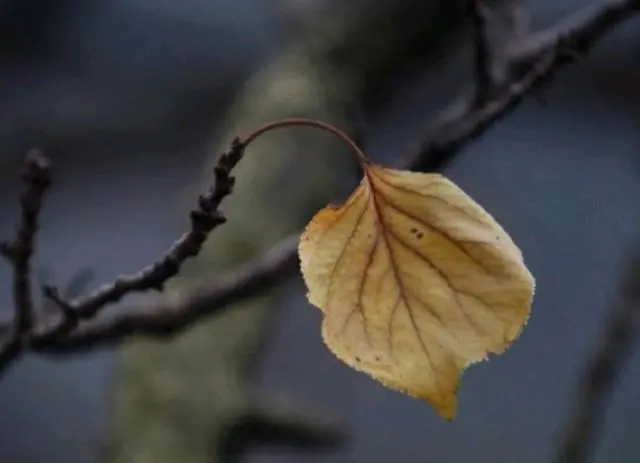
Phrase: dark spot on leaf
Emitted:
{"points": [[419, 236], [357, 359], [413, 230]]}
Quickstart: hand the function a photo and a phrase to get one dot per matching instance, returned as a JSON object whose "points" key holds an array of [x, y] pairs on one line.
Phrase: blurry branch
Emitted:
{"points": [[605, 365], [580, 31], [532, 61], [78, 328], [518, 19], [485, 80]]}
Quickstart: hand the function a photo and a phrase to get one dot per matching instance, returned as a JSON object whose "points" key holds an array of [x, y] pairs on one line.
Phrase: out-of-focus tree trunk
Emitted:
{"points": [[183, 401]]}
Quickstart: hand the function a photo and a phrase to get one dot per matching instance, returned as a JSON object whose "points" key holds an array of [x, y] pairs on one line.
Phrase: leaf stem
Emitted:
{"points": [[362, 158]]}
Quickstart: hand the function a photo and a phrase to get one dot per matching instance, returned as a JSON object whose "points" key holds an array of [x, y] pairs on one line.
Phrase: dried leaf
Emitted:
{"points": [[416, 281]]}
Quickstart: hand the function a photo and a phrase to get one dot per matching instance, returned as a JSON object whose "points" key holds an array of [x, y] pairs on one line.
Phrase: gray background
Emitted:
{"points": [[562, 178]]}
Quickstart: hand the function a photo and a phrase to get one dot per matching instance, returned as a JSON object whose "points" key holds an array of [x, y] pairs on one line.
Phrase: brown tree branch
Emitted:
{"points": [[204, 219], [266, 270], [604, 366], [452, 130]]}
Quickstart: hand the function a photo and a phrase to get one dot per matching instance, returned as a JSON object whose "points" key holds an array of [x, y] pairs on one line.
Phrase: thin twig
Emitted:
{"points": [[204, 219], [604, 366], [77, 284], [256, 275], [36, 178]]}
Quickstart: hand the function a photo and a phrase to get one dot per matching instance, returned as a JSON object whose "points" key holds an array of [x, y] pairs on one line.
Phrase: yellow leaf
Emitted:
{"points": [[415, 281]]}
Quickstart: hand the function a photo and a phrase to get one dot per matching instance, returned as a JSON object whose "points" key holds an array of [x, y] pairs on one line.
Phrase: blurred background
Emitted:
{"points": [[132, 99]]}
